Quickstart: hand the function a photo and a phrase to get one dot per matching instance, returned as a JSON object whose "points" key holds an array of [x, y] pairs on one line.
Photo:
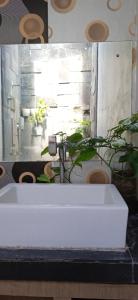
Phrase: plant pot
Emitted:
{"points": [[37, 130], [25, 112]]}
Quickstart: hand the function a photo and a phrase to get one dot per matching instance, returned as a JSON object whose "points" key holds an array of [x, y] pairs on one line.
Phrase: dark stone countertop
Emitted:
{"points": [[74, 266]]}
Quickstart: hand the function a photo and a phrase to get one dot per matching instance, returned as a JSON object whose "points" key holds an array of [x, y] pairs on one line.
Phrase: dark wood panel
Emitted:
{"points": [[23, 298]]}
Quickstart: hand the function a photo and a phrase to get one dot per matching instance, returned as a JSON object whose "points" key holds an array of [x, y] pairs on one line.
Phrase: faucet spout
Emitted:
{"points": [[52, 149], [52, 145]]}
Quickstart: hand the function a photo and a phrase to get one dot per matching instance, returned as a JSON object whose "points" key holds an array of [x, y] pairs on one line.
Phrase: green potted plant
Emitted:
{"points": [[38, 117], [124, 154]]}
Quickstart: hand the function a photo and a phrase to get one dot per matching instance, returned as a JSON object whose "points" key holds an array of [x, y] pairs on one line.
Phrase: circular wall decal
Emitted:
{"points": [[63, 6], [27, 175], [34, 167], [31, 26], [4, 3], [2, 171], [97, 31], [97, 176], [50, 32], [48, 171], [40, 37], [116, 7], [132, 28]]}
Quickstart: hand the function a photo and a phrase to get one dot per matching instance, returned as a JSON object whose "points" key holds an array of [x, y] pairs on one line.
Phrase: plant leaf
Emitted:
{"points": [[75, 137], [124, 158], [43, 178], [135, 117], [98, 139], [133, 160], [118, 143], [85, 155], [71, 148], [56, 170], [133, 127], [125, 122], [45, 151]]}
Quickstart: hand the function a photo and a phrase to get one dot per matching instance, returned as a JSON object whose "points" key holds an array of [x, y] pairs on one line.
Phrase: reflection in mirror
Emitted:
{"points": [[61, 87]]}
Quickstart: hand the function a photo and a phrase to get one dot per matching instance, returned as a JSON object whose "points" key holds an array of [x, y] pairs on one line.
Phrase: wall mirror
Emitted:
{"points": [[46, 88]]}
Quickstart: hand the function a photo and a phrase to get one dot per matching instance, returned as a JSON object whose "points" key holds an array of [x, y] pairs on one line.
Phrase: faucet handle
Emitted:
{"points": [[52, 145]]}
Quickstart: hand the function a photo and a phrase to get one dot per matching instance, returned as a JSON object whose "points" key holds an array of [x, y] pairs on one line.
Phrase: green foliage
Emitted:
{"points": [[44, 151], [74, 138], [128, 151], [56, 170], [85, 155], [84, 127], [39, 115], [128, 124], [118, 143], [44, 178], [82, 149], [131, 157]]}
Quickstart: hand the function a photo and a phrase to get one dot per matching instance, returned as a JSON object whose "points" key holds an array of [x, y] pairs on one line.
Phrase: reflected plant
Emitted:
{"points": [[84, 127], [39, 115], [128, 151]]}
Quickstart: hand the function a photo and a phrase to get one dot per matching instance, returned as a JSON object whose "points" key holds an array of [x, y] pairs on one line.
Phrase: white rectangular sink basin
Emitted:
{"points": [[62, 216]]}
